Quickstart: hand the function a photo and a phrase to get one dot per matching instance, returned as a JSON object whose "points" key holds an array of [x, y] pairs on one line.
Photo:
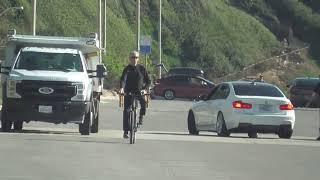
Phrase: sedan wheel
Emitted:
{"points": [[169, 94], [192, 124], [221, 126], [285, 133]]}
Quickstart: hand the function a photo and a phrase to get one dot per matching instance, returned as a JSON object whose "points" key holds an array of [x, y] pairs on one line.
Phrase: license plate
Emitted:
{"points": [[265, 108], [45, 109]]}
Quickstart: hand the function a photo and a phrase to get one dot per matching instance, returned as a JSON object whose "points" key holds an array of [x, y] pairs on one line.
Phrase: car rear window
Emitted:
{"points": [[185, 71], [178, 80], [256, 90], [306, 82]]}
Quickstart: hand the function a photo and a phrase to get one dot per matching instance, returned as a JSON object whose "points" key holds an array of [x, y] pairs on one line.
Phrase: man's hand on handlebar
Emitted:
{"points": [[121, 91]]}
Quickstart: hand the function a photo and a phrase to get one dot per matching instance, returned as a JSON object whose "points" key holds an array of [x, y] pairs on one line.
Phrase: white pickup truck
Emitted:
{"points": [[51, 79]]}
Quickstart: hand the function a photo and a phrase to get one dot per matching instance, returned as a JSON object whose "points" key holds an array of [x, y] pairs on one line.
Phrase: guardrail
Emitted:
{"points": [[307, 109], [274, 58]]}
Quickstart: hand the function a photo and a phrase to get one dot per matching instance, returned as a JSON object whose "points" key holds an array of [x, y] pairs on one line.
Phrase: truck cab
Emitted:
{"points": [[51, 79]]}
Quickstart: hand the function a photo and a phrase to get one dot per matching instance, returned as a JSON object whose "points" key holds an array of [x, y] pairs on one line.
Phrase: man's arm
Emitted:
{"points": [[123, 77], [146, 79]]}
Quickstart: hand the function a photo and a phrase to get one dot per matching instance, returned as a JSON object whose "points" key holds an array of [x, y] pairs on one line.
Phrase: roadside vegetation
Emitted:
{"points": [[220, 36]]}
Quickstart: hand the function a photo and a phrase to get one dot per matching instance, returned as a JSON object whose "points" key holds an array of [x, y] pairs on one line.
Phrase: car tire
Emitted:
{"points": [[6, 124], [192, 124], [85, 127], [18, 125], [221, 127], [95, 123], [285, 132], [169, 94], [253, 134]]}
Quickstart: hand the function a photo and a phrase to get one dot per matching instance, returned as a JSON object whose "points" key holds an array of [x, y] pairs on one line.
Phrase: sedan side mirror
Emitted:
{"points": [[202, 97], [204, 84], [6, 68]]}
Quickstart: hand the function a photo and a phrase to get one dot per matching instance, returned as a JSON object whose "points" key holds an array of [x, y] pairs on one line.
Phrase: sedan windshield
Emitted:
{"points": [[256, 90], [49, 61]]}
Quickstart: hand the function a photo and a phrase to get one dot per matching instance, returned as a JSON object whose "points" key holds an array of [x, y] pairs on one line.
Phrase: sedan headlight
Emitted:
{"points": [[12, 89], [80, 96]]}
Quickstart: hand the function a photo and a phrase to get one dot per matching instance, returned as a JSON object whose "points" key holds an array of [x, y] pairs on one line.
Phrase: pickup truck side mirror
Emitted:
{"points": [[3, 67], [101, 71]]}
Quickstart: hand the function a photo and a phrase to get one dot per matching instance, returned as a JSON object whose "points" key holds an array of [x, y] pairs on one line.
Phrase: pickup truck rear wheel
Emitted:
{"points": [[18, 125], [95, 123], [252, 134], [85, 127], [6, 124]]}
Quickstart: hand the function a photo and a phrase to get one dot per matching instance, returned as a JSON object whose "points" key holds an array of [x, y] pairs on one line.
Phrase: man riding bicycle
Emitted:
{"points": [[134, 79]]}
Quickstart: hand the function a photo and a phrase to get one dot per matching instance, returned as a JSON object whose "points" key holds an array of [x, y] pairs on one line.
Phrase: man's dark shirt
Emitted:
{"points": [[134, 78]]}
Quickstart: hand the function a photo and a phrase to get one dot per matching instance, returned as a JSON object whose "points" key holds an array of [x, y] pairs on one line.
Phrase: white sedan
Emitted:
{"points": [[243, 107]]}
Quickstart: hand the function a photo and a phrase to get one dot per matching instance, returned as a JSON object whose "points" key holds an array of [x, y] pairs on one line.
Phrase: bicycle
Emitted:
{"points": [[133, 112]]}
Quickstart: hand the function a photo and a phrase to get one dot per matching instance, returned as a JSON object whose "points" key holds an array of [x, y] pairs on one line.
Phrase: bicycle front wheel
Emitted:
{"points": [[132, 128]]}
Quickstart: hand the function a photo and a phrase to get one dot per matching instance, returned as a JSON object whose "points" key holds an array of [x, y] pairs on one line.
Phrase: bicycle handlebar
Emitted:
{"points": [[121, 97], [135, 94]]}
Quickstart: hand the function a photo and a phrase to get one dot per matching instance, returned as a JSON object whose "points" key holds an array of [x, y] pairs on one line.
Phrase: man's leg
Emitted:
{"points": [[142, 109], [126, 111]]}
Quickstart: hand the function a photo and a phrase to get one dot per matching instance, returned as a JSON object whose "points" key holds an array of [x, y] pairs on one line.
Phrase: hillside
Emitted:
{"points": [[220, 36]]}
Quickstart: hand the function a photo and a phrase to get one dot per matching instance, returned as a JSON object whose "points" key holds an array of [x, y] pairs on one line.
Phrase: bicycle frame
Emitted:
{"points": [[133, 112], [133, 118]]}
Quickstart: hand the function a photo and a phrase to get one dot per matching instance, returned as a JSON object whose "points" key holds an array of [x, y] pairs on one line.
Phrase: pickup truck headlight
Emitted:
{"points": [[80, 96], [12, 89]]}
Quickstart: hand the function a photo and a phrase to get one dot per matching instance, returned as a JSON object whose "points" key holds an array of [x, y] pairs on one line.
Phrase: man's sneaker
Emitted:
{"points": [[140, 120], [318, 138], [125, 135]]}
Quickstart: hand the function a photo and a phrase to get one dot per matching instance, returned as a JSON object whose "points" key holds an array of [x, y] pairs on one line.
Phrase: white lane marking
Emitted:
{"points": [[168, 136]]}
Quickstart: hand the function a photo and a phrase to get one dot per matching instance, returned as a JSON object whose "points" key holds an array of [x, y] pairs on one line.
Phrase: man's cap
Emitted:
{"points": [[134, 54]]}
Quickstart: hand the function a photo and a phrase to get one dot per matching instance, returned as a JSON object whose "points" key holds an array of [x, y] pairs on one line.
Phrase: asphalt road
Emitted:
{"points": [[164, 150]]}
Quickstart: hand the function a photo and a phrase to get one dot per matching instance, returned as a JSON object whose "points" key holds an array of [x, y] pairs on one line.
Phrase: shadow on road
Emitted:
{"points": [[30, 131], [65, 137], [205, 135], [231, 137], [76, 140]]}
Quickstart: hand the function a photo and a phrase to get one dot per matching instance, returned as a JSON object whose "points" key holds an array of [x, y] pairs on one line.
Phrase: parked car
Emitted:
{"points": [[243, 107], [182, 86], [301, 89], [185, 71]]}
